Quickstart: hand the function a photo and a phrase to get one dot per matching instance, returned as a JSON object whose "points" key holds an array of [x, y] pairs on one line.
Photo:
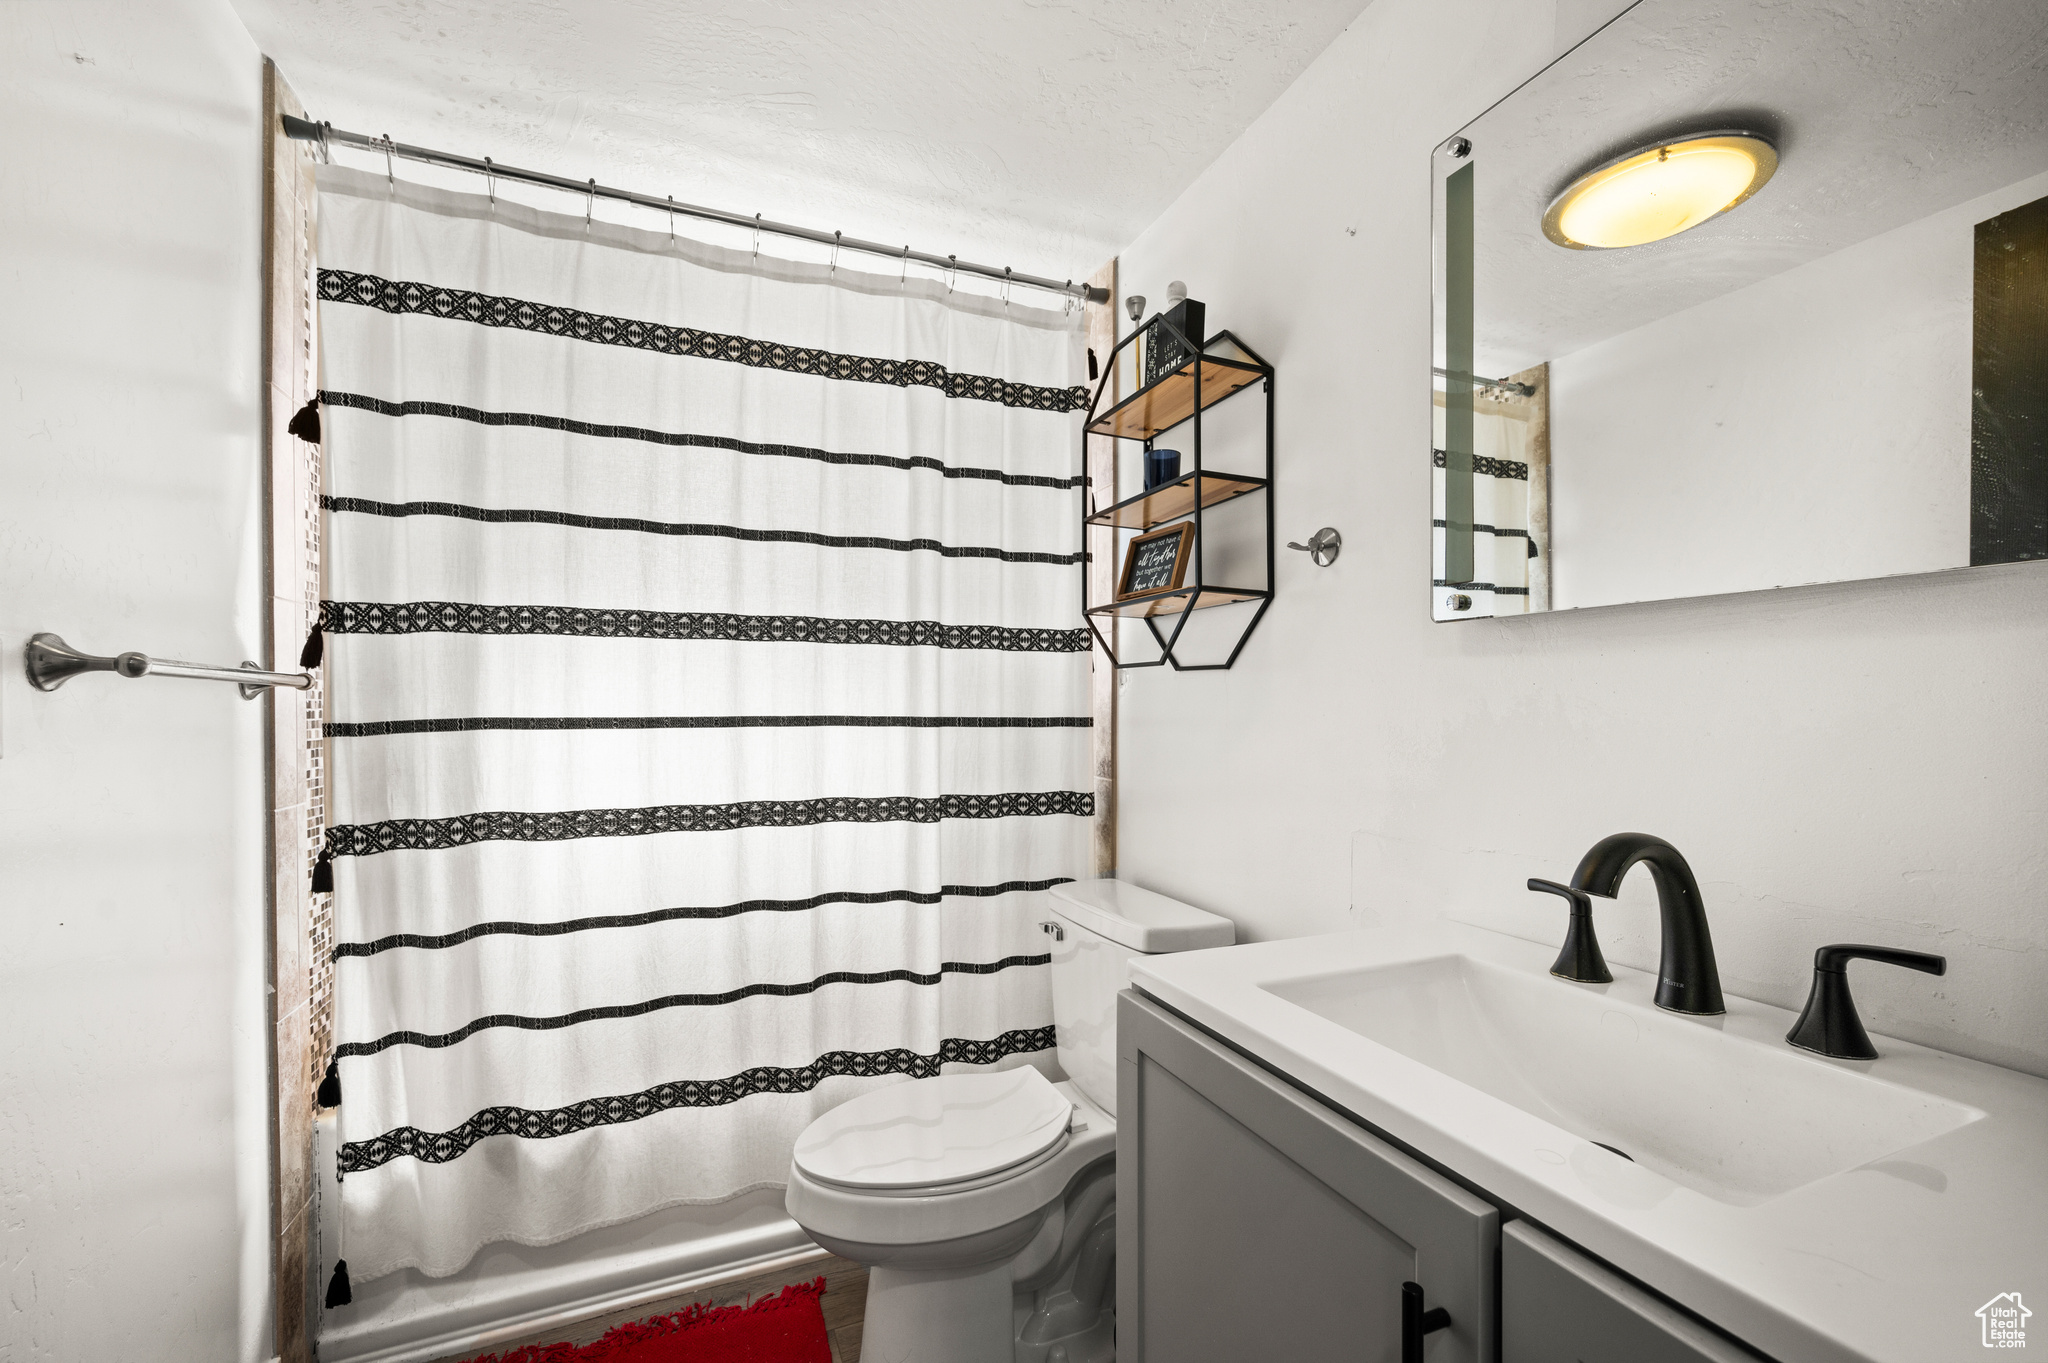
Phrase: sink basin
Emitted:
{"points": [[1732, 1119]]}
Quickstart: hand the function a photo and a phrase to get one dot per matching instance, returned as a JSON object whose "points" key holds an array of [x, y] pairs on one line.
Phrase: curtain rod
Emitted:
{"points": [[1527, 390], [327, 135]]}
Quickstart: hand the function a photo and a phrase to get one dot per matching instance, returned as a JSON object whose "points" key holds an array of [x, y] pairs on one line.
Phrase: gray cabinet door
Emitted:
{"points": [[1255, 1223], [1558, 1306]]}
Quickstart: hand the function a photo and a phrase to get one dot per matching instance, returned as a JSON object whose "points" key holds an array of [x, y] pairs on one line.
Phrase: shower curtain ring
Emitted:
{"points": [[326, 151], [671, 217], [390, 175], [952, 271], [757, 236], [589, 202], [835, 254], [903, 275], [491, 180], [1006, 286]]}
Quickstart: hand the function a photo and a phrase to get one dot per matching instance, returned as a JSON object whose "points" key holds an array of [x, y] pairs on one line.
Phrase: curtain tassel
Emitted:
{"points": [[305, 423], [316, 647], [330, 1086], [338, 1293], [323, 874]]}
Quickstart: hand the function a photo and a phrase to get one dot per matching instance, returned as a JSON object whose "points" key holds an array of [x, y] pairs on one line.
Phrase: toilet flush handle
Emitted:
{"points": [[1058, 933]]}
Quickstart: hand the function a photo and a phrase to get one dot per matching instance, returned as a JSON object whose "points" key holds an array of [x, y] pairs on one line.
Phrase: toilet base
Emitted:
{"points": [[1070, 1317], [1096, 1344], [938, 1315], [1018, 1269]]}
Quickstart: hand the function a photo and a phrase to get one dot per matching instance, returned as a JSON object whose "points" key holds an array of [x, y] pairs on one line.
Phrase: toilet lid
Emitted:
{"points": [[935, 1131]]}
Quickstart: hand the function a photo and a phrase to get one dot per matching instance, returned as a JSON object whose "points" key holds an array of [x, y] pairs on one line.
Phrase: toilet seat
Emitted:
{"points": [[950, 1133], [928, 1216]]}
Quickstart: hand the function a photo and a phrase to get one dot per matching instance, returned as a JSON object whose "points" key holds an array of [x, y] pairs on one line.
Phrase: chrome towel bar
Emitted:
{"points": [[52, 662]]}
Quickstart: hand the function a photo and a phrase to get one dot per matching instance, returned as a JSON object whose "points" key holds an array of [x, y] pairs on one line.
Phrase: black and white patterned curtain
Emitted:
{"points": [[1509, 463], [708, 705]]}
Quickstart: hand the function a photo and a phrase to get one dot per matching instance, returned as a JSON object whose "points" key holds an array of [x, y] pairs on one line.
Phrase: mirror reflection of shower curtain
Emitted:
{"points": [[1509, 500]]}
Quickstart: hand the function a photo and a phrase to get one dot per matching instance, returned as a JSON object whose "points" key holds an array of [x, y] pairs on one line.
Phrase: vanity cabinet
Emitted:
{"points": [[1255, 1223], [1558, 1306]]}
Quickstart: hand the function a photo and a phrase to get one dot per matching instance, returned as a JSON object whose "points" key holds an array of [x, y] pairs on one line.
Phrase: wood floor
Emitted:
{"points": [[846, 1292]]}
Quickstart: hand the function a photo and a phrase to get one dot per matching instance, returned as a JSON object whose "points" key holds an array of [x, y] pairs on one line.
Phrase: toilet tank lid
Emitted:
{"points": [[1139, 919]]}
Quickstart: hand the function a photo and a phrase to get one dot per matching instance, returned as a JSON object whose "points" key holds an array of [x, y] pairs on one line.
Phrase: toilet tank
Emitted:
{"points": [[1103, 924]]}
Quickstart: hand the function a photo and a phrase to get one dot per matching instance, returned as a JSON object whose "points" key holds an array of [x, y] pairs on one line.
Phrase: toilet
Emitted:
{"points": [[982, 1203]]}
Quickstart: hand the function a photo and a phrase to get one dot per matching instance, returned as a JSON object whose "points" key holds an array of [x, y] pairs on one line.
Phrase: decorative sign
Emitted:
{"points": [[1164, 354], [1156, 562]]}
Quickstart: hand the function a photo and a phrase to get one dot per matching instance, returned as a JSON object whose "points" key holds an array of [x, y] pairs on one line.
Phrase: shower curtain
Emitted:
{"points": [[707, 701]]}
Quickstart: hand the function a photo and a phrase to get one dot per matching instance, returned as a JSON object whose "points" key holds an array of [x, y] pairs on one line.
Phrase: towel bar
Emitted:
{"points": [[52, 662]]}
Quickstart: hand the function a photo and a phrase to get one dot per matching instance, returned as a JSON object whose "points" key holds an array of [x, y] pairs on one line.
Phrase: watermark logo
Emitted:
{"points": [[2005, 1321]]}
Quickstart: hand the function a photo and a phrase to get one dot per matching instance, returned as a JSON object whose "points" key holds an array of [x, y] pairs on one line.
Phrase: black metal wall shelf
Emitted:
{"points": [[1181, 396], [1171, 501], [1162, 405], [1173, 603]]}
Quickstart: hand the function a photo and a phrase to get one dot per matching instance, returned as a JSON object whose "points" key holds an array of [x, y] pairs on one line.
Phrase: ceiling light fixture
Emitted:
{"points": [[1659, 191]]}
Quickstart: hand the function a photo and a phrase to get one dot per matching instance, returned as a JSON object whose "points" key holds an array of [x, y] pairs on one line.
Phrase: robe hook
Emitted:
{"points": [[1323, 546]]}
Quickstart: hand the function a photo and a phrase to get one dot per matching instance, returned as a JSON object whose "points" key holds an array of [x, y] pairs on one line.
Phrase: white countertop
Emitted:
{"points": [[1886, 1262]]}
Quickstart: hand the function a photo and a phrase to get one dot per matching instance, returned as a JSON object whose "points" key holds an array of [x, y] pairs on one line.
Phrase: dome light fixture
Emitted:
{"points": [[1659, 190]]}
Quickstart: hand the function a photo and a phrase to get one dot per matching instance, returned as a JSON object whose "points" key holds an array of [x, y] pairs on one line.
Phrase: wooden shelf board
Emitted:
{"points": [[1165, 404], [1171, 501], [1174, 602]]}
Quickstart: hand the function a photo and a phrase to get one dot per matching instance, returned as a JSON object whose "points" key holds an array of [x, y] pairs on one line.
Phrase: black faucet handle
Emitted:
{"points": [[1579, 898], [1580, 959], [1838, 956], [1829, 1024]]}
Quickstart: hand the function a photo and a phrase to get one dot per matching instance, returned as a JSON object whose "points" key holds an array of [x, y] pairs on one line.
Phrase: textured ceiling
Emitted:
{"points": [[1042, 134]]}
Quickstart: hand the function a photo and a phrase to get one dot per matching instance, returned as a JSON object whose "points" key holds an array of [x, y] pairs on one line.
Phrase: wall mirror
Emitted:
{"points": [[1745, 295]]}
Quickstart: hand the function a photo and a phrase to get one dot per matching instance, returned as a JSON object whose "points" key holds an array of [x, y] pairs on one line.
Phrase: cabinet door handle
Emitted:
{"points": [[1416, 1322]]}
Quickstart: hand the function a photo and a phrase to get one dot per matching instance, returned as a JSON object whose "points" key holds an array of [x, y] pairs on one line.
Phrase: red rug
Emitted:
{"points": [[785, 1329]]}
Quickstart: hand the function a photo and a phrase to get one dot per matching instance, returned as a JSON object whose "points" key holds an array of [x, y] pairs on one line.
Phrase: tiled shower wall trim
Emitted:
{"points": [[308, 469], [320, 914]]}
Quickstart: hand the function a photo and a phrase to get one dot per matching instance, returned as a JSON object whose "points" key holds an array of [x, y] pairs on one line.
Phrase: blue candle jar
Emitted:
{"points": [[1161, 466]]}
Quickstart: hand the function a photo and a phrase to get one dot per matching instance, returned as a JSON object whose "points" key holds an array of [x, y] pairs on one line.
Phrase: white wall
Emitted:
{"points": [[1860, 762], [134, 1160]]}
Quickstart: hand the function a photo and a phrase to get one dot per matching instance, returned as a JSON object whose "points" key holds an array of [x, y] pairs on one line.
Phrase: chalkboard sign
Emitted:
{"points": [[1156, 562]]}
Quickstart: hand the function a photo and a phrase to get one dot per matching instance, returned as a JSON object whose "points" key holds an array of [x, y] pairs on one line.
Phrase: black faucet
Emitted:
{"points": [[1830, 1025], [1687, 980]]}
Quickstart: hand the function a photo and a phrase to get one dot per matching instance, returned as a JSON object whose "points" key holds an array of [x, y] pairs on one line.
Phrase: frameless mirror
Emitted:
{"points": [[1740, 296]]}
